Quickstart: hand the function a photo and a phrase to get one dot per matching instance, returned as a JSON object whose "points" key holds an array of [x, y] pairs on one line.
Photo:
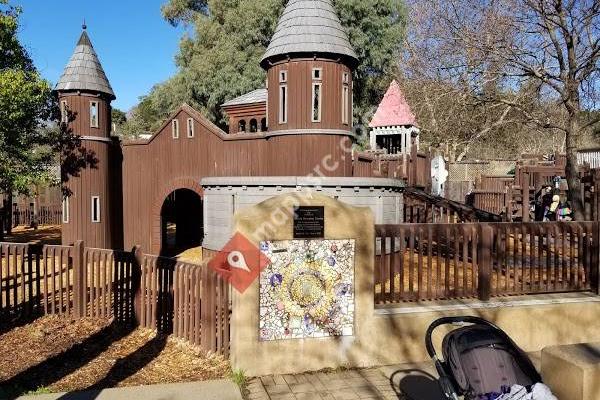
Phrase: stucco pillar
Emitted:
{"points": [[268, 221]]}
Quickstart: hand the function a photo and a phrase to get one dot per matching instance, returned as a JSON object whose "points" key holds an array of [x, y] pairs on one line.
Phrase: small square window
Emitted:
{"points": [[94, 114], [95, 208], [283, 76], [190, 127], [317, 73], [175, 128], [346, 77]]}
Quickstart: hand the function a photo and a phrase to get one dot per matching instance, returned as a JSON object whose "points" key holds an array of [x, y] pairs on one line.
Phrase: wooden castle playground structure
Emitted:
{"points": [[413, 264], [421, 248]]}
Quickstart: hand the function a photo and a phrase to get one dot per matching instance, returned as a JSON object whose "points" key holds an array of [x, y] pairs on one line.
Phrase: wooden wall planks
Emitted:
{"points": [[153, 169]]}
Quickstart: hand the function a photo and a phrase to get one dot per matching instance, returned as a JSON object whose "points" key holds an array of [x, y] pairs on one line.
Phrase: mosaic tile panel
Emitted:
{"points": [[307, 290]]}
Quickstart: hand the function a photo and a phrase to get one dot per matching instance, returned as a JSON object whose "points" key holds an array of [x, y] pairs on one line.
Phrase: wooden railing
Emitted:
{"points": [[414, 168], [190, 301], [494, 182], [528, 258], [422, 207], [492, 200], [419, 262]]}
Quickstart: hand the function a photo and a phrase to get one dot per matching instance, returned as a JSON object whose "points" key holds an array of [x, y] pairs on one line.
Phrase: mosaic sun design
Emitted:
{"points": [[307, 291]]}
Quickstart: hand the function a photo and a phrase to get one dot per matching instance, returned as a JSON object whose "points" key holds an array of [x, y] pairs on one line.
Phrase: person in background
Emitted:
{"points": [[564, 212], [551, 213], [544, 199]]}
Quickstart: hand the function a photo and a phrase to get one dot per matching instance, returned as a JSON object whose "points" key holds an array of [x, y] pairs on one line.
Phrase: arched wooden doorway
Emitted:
{"points": [[181, 222]]}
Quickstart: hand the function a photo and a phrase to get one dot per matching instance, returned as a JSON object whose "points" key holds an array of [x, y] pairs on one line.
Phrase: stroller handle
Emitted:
{"points": [[451, 320]]}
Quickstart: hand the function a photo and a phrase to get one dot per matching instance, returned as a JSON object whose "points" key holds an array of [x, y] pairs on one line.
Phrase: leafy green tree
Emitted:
{"points": [[118, 117], [176, 11], [24, 101], [220, 58], [30, 135]]}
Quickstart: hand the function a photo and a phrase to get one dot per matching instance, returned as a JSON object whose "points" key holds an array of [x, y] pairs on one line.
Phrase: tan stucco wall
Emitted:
{"points": [[379, 339], [573, 371], [400, 338]]}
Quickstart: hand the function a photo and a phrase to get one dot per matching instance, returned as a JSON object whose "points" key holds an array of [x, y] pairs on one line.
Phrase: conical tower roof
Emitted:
{"points": [[309, 27], [84, 71], [393, 109]]}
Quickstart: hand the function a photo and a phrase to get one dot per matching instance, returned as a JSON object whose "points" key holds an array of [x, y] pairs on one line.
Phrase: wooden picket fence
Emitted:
{"points": [[20, 278], [189, 301], [201, 309], [420, 262], [45, 215]]}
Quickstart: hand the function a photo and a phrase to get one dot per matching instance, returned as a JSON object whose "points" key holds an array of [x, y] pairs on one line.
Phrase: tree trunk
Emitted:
{"points": [[572, 169]]}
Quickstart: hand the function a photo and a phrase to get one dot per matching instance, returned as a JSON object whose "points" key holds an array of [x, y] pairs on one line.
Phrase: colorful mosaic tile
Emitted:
{"points": [[307, 290]]}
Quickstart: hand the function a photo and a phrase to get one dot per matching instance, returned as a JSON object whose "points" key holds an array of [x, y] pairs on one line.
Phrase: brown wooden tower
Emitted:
{"points": [[309, 65], [89, 213]]}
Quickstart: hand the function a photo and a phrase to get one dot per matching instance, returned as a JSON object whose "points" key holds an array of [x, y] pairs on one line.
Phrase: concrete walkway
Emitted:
{"points": [[208, 390], [407, 382]]}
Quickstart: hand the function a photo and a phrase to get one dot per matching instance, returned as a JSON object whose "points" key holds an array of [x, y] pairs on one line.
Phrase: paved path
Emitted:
{"points": [[406, 382], [208, 390]]}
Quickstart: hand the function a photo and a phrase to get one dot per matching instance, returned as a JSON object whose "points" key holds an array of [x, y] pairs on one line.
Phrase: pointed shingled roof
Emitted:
{"points": [[309, 26], [393, 109], [84, 71]]}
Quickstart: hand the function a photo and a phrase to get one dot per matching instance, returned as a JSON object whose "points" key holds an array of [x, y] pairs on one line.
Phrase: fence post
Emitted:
{"points": [[595, 267], [2, 223], [510, 203], [525, 196], [596, 196], [136, 282], [79, 281], [485, 260]]}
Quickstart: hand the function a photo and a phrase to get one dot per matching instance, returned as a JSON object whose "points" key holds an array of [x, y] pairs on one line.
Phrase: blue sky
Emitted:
{"points": [[135, 44]]}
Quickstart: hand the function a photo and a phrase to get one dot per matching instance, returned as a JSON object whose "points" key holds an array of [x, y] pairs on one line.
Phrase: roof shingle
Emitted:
{"points": [[255, 96], [84, 71], [309, 26]]}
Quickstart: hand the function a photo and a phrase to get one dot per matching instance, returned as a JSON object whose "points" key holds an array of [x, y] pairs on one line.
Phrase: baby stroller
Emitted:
{"points": [[479, 359]]}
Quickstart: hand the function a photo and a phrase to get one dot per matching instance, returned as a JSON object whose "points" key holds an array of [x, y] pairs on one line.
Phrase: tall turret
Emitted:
{"points": [[309, 64], [83, 89]]}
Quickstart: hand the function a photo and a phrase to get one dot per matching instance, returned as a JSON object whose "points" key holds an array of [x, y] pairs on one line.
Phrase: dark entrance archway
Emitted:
{"points": [[181, 220]]}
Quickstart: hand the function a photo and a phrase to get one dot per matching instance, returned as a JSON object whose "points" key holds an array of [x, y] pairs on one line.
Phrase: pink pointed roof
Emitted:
{"points": [[393, 109]]}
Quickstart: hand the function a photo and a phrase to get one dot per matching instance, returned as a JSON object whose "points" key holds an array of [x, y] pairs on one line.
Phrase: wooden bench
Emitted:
{"points": [[573, 371]]}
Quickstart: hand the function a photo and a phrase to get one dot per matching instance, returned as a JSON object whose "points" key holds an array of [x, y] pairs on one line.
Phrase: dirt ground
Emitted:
{"points": [[49, 234], [191, 255], [58, 354]]}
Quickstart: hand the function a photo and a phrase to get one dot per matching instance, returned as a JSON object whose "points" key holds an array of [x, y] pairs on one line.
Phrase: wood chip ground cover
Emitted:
{"points": [[66, 355], [48, 234]]}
